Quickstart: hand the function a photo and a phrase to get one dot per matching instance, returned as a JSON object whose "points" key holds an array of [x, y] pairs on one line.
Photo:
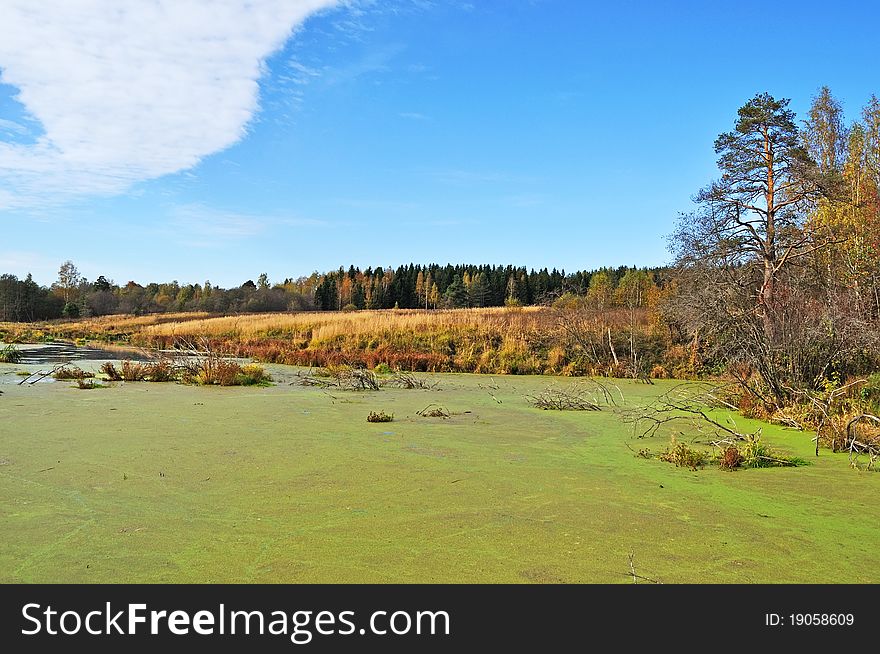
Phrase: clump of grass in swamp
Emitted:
{"points": [[134, 371], [71, 372], [380, 416], [88, 384], [755, 453], [434, 411], [10, 354], [217, 371], [163, 370], [683, 456], [252, 374]]}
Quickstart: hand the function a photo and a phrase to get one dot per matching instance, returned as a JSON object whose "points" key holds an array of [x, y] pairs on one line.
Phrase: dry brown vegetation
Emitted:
{"points": [[514, 341], [71, 372], [566, 340]]}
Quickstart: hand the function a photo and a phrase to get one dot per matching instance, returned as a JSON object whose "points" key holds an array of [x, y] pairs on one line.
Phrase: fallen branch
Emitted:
{"points": [[556, 399], [40, 375], [636, 577], [686, 401], [436, 412], [408, 380]]}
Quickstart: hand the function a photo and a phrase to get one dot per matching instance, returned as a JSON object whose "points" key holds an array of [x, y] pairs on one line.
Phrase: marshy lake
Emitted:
{"points": [[165, 482]]}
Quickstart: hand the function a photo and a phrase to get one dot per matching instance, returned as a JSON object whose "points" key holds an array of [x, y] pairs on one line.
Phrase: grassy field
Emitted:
{"points": [[523, 340], [170, 483]]}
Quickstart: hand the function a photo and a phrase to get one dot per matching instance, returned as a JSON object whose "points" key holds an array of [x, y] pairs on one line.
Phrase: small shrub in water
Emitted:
{"points": [[214, 370], [380, 416], [162, 370], [252, 375], [757, 454], [71, 372], [134, 371], [730, 458], [88, 384], [684, 456]]}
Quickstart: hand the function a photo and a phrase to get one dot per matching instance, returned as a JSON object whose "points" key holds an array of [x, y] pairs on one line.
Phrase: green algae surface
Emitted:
{"points": [[144, 482]]}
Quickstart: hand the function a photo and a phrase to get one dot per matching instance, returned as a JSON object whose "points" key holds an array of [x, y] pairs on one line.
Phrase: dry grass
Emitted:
{"points": [[498, 340], [322, 327]]}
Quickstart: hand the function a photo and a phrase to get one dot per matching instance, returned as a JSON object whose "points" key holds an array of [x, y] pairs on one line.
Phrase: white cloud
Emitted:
{"points": [[129, 90]]}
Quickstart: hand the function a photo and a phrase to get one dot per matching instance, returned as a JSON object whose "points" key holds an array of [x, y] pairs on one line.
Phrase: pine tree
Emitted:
{"points": [[456, 295]]}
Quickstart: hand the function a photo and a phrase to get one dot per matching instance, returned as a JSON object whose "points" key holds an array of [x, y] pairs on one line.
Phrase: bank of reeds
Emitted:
{"points": [[495, 341], [529, 340]]}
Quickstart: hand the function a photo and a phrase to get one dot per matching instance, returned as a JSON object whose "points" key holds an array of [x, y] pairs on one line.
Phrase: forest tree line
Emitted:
{"points": [[408, 287]]}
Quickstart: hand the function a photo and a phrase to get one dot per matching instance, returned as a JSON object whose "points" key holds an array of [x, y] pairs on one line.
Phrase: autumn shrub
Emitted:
{"points": [[755, 453], [730, 458], [750, 407], [211, 371], [659, 372], [382, 369], [110, 371], [870, 394], [570, 301], [133, 371], [557, 358], [162, 370]]}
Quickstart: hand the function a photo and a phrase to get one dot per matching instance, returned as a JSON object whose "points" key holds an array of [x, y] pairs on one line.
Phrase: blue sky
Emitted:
{"points": [[166, 141]]}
